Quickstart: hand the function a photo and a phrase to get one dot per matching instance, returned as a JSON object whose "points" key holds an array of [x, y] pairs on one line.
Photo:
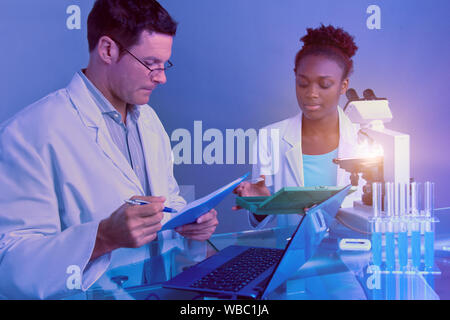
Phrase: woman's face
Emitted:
{"points": [[319, 85]]}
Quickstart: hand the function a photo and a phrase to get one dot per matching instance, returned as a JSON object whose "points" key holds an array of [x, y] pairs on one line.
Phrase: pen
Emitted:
{"points": [[170, 210], [142, 202]]}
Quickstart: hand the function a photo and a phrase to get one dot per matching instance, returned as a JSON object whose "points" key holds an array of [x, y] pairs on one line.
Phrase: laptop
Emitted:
{"points": [[243, 272]]}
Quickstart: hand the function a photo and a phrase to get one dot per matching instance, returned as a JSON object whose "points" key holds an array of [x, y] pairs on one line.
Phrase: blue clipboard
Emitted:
{"points": [[197, 208]]}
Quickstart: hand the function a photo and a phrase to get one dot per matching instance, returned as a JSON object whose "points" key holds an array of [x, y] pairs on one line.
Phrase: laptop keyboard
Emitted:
{"points": [[240, 271]]}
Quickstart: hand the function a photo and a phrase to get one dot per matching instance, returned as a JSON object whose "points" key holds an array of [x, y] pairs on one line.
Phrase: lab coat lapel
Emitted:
{"points": [[342, 176], [293, 136], [347, 140], [151, 146], [93, 119], [112, 152]]}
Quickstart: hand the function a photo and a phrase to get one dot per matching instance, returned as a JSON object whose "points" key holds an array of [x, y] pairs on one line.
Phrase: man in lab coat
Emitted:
{"points": [[68, 161]]}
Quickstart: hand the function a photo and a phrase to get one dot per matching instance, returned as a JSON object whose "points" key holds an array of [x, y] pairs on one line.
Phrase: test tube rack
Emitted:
{"points": [[403, 233]]}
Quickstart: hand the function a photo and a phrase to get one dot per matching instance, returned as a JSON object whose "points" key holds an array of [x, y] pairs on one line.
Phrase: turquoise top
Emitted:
{"points": [[319, 170]]}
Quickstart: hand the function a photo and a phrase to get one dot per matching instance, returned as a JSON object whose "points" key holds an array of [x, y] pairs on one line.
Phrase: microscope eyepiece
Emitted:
{"points": [[369, 94], [352, 95]]}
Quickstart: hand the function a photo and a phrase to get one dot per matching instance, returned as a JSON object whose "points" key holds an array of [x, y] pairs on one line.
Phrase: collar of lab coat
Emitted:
{"points": [[293, 136], [92, 117], [151, 131]]}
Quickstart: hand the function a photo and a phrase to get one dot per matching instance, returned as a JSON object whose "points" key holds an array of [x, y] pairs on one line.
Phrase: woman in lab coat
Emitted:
{"points": [[309, 141]]}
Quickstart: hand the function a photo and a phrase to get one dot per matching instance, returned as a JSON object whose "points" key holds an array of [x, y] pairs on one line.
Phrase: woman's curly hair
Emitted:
{"points": [[332, 42]]}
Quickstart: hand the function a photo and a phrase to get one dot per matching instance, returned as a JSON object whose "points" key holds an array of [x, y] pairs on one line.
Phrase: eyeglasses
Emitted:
{"points": [[153, 71]]}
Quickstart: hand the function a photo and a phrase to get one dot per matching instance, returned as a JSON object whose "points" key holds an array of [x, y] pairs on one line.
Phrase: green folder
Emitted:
{"points": [[289, 200]]}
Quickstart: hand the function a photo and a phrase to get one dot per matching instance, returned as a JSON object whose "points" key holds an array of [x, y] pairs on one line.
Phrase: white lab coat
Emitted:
{"points": [[285, 168], [61, 173]]}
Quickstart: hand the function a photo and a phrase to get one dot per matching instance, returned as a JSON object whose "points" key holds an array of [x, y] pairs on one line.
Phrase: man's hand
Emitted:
{"points": [[130, 226], [202, 229]]}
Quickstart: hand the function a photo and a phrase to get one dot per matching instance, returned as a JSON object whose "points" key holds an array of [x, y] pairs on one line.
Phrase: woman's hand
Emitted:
{"points": [[307, 209], [247, 189]]}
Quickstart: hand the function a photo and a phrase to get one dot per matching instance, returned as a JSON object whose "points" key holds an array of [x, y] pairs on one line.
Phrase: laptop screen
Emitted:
{"points": [[305, 240]]}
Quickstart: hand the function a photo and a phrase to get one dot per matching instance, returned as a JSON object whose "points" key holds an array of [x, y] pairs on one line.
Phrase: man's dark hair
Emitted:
{"points": [[124, 21]]}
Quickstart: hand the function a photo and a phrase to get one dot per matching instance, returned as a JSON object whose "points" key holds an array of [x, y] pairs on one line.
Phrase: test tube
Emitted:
{"points": [[403, 227], [390, 236], [376, 224], [420, 206], [429, 198], [402, 190], [429, 224], [408, 213], [397, 191], [414, 198], [415, 226], [389, 203], [408, 199], [376, 199]]}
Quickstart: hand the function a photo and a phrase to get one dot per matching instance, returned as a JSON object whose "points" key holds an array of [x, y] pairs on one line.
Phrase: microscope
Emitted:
{"points": [[383, 154]]}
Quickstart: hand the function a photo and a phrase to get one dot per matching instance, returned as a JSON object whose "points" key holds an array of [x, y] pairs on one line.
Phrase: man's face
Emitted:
{"points": [[319, 85], [130, 82]]}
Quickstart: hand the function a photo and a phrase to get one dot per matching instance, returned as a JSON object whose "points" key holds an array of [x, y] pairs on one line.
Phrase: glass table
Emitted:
{"points": [[331, 274]]}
